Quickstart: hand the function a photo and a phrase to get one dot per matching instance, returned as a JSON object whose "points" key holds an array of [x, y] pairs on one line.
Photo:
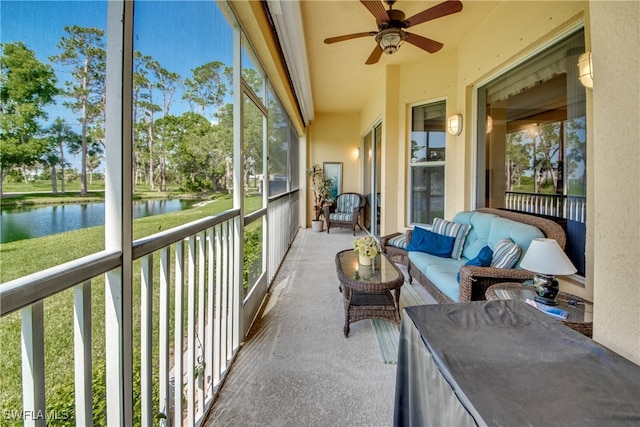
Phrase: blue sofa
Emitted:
{"points": [[487, 227]]}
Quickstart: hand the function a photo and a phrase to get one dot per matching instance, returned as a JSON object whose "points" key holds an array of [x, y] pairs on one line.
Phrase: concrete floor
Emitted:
{"points": [[296, 368]]}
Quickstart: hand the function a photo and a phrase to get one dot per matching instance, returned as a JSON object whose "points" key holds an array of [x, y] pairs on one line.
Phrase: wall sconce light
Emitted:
{"points": [[489, 124], [454, 124], [585, 70], [357, 153]]}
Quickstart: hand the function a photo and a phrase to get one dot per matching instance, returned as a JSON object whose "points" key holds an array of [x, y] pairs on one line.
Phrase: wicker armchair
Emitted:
{"points": [[345, 211]]}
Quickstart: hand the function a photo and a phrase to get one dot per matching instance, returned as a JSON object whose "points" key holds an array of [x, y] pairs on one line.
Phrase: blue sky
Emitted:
{"points": [[181, 35]]}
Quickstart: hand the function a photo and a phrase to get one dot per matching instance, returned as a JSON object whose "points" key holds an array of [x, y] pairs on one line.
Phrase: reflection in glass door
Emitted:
{"points": [[371, 184]]}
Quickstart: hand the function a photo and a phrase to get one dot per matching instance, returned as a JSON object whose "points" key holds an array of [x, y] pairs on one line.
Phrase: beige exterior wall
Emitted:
{"points": [[615, 43]]}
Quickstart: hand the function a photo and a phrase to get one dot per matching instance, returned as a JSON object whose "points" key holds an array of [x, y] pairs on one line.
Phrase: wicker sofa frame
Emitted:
{"points": [[398, 255], [474, 281]]}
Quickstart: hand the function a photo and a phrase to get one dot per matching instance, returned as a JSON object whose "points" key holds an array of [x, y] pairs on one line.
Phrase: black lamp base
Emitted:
{"points": [[547, 288], [545, 301]]}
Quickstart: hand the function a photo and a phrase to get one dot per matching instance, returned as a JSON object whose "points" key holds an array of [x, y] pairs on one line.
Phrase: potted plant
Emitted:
{"points": [[321, 187]]}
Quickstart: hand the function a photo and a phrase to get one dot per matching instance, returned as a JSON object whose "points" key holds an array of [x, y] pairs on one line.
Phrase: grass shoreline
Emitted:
{"points": [[9, 200]]}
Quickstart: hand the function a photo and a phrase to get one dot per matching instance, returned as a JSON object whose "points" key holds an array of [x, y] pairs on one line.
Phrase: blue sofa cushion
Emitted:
{"points": [[432, 243], [482, 260], [456, 230]]}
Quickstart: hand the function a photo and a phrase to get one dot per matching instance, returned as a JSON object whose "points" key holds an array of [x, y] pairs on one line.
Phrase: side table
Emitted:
{"points": [[580, 311]]}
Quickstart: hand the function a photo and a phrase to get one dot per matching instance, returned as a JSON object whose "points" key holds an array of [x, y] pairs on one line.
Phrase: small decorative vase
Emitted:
{"points": [[364, 260]]}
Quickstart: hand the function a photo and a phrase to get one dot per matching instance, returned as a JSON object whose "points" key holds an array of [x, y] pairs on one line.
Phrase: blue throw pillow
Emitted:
{"points": [[482, 260], [435, 244]]}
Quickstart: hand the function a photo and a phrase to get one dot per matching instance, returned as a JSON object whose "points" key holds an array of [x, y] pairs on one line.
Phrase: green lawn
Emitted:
{"points": [[27, 256]]}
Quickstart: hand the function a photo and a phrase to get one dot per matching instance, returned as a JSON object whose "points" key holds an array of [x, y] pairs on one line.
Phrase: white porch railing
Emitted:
{"points": [[189, 372], [569, 207]]}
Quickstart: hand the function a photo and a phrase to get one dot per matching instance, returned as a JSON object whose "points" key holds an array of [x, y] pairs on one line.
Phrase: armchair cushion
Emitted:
{"points": [[346, 203], [341, 216]]}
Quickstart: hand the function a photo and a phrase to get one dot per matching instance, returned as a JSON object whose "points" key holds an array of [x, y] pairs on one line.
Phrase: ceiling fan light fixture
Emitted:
{"points": [[390, 40]]}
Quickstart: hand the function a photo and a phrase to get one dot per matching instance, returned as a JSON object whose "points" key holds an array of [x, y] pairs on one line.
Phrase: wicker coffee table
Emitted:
{"points": [[369, 291], [580, 311]]}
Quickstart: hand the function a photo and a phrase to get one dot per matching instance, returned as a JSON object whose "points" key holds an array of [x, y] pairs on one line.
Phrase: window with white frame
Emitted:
{"points": [[427, 162]]}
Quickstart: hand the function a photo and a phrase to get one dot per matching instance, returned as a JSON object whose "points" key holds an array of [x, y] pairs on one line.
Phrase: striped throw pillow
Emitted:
{"points": [[505, 254], [452, 229]]}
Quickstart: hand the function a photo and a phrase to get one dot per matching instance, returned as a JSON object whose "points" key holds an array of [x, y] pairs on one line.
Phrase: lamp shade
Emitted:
{"points": [[545, 256]]}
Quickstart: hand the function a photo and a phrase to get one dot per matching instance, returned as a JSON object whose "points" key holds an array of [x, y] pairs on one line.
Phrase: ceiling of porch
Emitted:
{"points": [[340, 80]]}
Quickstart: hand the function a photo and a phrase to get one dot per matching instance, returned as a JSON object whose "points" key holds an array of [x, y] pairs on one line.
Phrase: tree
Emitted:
{"points": [[59, 135], [546, 159], [167, 83], [26, 87], [83, 50], [144, 87], [576, 156], [94, 158], [194, 148], [206, 87], [518, 159]]}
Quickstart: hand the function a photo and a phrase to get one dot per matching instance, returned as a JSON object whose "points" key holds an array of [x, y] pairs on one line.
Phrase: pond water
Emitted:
{"points": [[17, 223]]}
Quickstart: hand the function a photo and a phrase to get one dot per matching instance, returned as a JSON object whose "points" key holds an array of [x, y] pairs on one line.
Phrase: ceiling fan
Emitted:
{"points": [[392, 23]]}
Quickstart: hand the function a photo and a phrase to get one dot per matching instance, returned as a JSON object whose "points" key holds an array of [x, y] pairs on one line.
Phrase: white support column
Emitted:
{"points": [[33, 399], [118, 213], [238, 174], [82, 354]]}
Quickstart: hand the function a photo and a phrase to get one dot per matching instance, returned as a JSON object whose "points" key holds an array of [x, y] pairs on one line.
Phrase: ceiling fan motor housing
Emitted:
{"points": [[390, 39]]}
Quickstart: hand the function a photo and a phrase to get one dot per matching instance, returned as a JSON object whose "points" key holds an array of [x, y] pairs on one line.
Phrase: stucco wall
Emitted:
{"points": [[334, 138], [615, 43]]}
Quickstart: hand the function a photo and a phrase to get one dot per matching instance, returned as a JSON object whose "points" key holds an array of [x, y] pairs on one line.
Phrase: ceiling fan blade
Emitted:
{"points": [[375, 56], [377, 9], [437, 11], [349, 37], [424, 43]]}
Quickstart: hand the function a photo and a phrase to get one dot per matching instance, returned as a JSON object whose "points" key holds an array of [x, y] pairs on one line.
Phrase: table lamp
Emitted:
{"points": [[546, 258]]}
